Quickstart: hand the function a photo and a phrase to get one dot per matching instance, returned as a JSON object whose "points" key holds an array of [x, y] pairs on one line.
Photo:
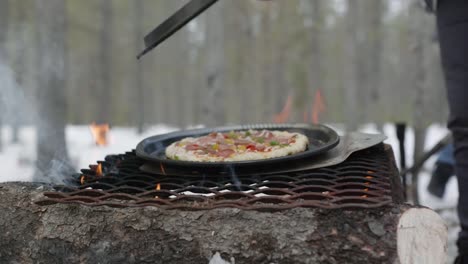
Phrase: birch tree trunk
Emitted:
{"points": [[52, 157], [213, 105]]}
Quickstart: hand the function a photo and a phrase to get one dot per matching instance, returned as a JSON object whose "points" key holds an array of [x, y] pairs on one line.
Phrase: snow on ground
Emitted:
{"points": [[17, 160]]}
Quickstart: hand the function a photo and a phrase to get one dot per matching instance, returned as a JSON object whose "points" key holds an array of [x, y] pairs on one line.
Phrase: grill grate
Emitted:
{"points": [[364, 180]]}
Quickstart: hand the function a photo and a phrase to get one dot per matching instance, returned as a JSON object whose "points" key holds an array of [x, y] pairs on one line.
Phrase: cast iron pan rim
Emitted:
{"points": [[334, 139]]}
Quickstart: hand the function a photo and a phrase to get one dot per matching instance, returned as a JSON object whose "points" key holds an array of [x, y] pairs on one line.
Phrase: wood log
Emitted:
{"points": [[73, 233]]}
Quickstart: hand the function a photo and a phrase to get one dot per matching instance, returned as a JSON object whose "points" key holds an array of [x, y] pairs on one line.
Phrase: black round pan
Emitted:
{"points": [[321, 139]]}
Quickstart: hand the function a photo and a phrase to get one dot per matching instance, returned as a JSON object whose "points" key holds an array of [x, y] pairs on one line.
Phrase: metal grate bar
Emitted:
{"points": [[362, 181]]}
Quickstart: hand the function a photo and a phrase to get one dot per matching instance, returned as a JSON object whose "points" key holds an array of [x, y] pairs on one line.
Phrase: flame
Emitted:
{"points": [[99, 170], [161, 166], [364, 196], [367, 183], [283, 116], [317, 107], [82, 179], [158, 187], [100, 133]]}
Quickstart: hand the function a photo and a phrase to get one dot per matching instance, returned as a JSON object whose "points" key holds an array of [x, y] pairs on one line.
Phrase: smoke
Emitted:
{"points": [[234, 178], [19, 105], [14, 105], [55, 172]]}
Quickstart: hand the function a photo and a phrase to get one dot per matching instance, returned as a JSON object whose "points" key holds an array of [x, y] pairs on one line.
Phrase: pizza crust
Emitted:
{"points": [[299, 143]]}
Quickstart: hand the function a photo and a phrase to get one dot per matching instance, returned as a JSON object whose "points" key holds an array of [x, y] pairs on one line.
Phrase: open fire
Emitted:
{"points": [[318, 108], [284, 115], [100, 133]]}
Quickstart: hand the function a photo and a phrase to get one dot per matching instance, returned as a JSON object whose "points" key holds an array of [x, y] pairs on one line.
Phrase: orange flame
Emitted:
{"points": [[158, 187], [283, 116], [82, 179], [100, 133], [99, 170], [369, 177], [364, 196], [317, 107]]}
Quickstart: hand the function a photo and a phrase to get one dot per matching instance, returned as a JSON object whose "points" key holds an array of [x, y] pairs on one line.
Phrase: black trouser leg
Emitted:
{"points": [[452, 22]]}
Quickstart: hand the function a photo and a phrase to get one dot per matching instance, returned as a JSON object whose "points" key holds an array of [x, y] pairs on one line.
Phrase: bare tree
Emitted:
{"points": [[20, 61], [351, 91], [315, 74], [4, 27], [374, 15], [52, 157], [105, 48], [3, 37], [213, 105], [140, 102], [420, 65]]}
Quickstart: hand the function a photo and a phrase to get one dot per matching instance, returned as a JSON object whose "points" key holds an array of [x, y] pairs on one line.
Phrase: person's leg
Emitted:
{"points": [[452, 22]]}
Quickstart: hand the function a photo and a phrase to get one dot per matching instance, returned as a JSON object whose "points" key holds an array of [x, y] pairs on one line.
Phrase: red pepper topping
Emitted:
{"points": [[251, 147]]}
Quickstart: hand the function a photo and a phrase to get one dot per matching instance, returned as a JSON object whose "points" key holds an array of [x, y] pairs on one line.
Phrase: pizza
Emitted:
{"points": [[237, 146]]}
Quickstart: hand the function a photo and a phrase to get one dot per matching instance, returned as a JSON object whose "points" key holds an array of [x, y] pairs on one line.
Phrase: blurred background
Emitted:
{"points": [[72, 90], [241, 61]]}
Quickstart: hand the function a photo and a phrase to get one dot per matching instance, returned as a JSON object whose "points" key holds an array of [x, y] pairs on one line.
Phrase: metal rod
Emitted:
{"points": [[437, 147], [400, 132], [175, 22]]}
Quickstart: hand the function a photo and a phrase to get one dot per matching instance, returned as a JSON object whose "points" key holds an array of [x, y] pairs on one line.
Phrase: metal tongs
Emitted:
{"points": [[175, 22]]}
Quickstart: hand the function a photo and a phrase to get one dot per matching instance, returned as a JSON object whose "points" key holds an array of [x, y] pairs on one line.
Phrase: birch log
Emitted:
{"points": [[72, 233]]}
